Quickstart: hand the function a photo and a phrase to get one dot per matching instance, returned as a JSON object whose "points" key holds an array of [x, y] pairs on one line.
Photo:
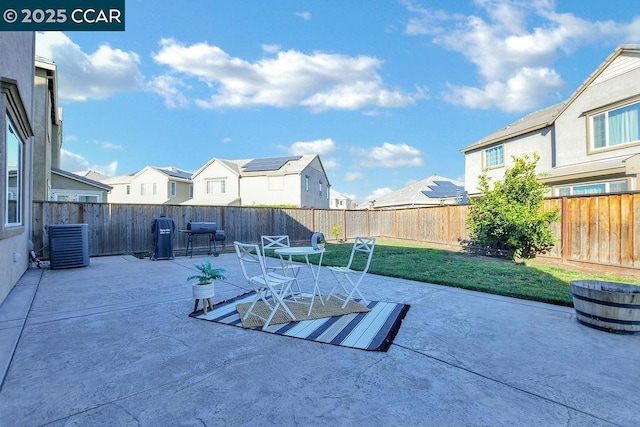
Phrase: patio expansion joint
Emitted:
{"points": [[23, 322], [197, 377], [55, 317], [505, 384]]}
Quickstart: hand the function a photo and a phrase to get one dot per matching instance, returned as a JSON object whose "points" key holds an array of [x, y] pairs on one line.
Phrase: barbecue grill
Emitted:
{"points": [[204, 228]]}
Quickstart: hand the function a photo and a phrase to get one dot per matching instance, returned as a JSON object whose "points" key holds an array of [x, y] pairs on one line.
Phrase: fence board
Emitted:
{"points": [[614, 230], [626, 230]]}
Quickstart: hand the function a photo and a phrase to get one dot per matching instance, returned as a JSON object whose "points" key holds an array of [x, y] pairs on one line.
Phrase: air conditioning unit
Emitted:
{"points": [[68, 245]]}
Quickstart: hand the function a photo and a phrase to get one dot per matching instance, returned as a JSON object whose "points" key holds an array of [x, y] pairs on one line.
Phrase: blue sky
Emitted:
{"points": [[387, 92]]}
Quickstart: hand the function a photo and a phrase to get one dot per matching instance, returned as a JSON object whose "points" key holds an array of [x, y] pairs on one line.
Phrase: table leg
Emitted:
{"points": [[315, 274]]}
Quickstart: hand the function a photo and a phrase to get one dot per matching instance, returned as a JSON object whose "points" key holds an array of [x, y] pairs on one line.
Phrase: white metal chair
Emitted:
{"points": [[347, 279], [277, 242], [270, 287]]}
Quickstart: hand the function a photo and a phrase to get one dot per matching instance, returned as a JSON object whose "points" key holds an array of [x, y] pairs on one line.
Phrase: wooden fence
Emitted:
{"points": [[593, 229]]}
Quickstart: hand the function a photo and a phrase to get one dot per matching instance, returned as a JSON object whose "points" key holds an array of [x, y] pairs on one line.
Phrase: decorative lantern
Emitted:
{"points": [[317, 241]]}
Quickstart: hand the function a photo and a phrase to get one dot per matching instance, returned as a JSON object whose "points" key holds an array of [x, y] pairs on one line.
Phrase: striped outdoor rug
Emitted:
{"points": [[373, 330]]}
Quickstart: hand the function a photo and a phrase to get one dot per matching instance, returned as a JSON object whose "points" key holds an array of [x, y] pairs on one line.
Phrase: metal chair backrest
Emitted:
{"points": [[274, 242], [250, 254], [365, 246]]}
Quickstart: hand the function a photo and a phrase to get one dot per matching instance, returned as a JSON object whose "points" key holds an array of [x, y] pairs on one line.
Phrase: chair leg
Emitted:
{"points": [[354, 290]]}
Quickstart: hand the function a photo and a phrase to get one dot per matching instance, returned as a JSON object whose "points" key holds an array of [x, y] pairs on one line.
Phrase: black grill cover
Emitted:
{"points": [[162, 229]]}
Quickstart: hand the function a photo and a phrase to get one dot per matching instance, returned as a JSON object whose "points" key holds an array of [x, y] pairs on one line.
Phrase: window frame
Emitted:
{"points": [[10, 128], [215, 190], [485, 157], [607, 187], [12, 107], [591, 115], [77, 193]]}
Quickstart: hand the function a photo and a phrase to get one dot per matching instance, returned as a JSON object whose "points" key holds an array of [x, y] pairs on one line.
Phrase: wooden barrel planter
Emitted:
{"points": [[608, 306]]}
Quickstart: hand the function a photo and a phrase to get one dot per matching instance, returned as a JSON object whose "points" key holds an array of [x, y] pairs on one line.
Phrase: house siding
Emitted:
{"points": [[216, 170], [312, 198], [572, 127], [564, 141], [540, 141], [17, 50]]}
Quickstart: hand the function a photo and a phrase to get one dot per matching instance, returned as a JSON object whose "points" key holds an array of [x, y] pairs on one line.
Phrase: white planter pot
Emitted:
{"points": [[203, 291]]}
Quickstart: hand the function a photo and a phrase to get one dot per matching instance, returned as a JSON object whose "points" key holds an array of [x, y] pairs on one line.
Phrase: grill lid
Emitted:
{"points": [[202, 227]]}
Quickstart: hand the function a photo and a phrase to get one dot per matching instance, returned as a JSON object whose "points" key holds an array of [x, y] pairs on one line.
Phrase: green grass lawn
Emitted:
{"points": [[529, 280]]}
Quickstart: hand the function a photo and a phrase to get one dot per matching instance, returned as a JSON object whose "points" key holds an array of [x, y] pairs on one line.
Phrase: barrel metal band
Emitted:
{"points": [[610, 304], [606, 319]]}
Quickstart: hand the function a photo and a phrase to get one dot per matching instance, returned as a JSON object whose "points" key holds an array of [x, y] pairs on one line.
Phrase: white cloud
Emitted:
{"points": [[389, 156], [111, 146], [513, 44], [271, 48], [525, 90], [355, 176], [330, 163], [319, 146], [169, 88], [83, 76], [304, 15], [74, 162], [320, 81], [324, 147], [378, 192]]}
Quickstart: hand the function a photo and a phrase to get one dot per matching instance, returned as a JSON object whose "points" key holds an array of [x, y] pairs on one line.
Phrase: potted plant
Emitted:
{"points": [[204, 288], [335, 232]]}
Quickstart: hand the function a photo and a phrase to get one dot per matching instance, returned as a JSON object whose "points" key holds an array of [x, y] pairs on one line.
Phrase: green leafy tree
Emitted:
{"points": [[510, 214]]}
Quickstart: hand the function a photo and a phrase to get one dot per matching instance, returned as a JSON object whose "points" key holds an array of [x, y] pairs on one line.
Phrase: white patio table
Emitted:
{"points": [[305, 251]]}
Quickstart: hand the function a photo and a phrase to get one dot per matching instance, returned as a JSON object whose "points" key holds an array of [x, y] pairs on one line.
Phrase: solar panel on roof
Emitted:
{"points": [[443, 189], [269, 164]]}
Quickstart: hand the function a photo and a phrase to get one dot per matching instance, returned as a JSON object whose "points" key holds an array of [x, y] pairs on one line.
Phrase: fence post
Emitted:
{"points": [[564, 230]]}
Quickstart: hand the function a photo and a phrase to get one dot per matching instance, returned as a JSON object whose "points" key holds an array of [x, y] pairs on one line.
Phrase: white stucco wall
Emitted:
{"points": [[270, 190], [216, 170], [17, 52], [571, 125], [539, 142]]}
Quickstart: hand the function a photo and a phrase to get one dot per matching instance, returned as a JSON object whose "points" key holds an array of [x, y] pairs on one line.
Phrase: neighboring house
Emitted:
{"points": [[338, 200], [588, 144], [290, 181], [69, 187], [151, 185], [49, 181], [17, 71], [47, 127], [432, 191]]}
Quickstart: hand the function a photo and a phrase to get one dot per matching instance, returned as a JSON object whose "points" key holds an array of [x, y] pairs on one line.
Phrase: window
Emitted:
{"points": [[128, 190], [320, 188], [493, 157], [306, 183], [594, 188], [154, 189], [615, 127], [173, 189], [13, 212], [216, 186], [64, 196], [191, 190]]}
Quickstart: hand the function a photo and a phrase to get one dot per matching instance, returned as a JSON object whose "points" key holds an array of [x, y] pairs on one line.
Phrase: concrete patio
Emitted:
{"points": [[112, 344]]}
